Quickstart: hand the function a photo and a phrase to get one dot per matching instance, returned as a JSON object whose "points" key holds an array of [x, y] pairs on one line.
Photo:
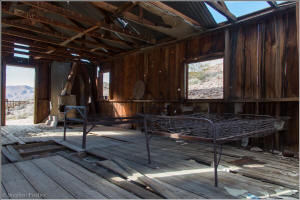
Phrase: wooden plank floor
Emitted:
{"points": [[178, 166]]}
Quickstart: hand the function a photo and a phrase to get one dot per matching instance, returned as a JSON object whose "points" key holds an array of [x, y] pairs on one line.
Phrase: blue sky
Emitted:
{"points": [[20, 76], [239, 8]]}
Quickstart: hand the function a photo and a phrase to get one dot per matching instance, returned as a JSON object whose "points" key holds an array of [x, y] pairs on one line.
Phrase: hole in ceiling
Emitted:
{"points": [[240, 8]]}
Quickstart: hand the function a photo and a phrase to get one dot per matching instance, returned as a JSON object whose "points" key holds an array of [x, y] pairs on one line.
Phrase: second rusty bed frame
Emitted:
{"points": [[214, 129]]}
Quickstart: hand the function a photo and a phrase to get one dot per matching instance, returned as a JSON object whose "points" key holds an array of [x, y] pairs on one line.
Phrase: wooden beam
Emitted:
{"points": [[29, 27], [33, 16], [46, 56], [35, 50], [47, 41], [221, 8], [78, 35], [297, 21], [86, 20], [175, 12], [127, 15], [273, 4], [126, 7]]}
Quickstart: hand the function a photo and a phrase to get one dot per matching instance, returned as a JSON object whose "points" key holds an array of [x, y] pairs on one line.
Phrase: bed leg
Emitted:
{"points": [[147, 140], [84, 136], [84, 129], [65, 125], [216, 165]]}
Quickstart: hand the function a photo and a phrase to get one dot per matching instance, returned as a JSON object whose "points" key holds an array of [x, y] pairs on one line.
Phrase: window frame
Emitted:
{"points": [[202, 58]]}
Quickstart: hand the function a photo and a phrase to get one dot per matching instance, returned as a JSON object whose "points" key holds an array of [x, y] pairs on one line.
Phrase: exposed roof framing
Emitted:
{"points": [[86, 20], [126, 7], [80, 50], [221, 7], [27, 26], [128, 15], [41, 55], [175, 12], [273, 4], [95, 30], [78, 35], [34, 16]]}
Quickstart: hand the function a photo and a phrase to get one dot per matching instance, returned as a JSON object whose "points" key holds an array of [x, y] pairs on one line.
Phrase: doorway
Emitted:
{"points": [[19, 95]]}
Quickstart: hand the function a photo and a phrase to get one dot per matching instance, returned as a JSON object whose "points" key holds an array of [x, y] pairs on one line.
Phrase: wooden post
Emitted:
{"points": [[3, 91], [297, 21], [226, 73]]}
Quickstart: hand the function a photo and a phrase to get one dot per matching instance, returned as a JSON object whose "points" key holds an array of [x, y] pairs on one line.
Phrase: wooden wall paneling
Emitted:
{"points": [[292, 58], [177, 73], [42, 94], [249, 76], [172, 72], [165, 73], [262, 52], [297, 22], [162, 78], [182, 56], [238, 68], [262, 63], [270, 57], [227, 54]]}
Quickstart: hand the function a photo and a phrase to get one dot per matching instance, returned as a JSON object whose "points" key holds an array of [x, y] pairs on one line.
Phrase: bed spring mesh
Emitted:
{"points": [[226, 127]]}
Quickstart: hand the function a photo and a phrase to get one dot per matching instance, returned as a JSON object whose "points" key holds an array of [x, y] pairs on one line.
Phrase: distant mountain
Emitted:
{"points": [[19, 92]]}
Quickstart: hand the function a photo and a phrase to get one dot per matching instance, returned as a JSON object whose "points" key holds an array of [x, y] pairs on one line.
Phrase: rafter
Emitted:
{"points": [[78, 35], [42, 47], [34, 54], [126, 7], [273, 4], [172, 10], [86, 20], [7, 46], [27, 26], [138, 19], [47, 41], [221, 7], [33, 16]]}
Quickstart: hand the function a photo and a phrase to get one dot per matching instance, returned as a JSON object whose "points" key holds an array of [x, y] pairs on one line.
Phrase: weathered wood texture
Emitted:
{"points": [[261, 62], [42, 91], [3, 91]]}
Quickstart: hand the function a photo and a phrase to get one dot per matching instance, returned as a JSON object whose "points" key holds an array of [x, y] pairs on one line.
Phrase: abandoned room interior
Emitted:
{"points": [[150, 99]]}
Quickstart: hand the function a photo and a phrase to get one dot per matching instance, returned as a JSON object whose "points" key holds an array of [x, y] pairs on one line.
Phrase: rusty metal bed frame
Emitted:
{"points": [[212, 128], [93, 121], [206, 127]]}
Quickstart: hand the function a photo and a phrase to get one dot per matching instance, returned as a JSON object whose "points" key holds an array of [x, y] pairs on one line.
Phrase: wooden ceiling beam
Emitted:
{"points": [[127, 15], [222, 8], [75, 49], [37, 45], [6, 45], [78, 35], [175, 12], [132, 17], [33, 16], [34, 54], [27, 26], [11, 44], [125, 8], [86, 20], [273, 4]]}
